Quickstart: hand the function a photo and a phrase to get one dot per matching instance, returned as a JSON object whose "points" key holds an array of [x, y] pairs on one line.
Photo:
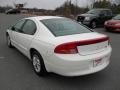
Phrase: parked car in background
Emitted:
{"points": [[113, 24], [12, 11], [60, 45], [95, 17]]}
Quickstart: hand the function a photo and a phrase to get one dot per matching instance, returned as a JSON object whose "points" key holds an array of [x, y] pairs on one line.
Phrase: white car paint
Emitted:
{"points": [[64, 64]]}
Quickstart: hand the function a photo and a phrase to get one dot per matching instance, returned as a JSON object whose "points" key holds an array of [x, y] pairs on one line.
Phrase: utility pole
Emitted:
{"points": [[93, 3], [67, 2], [76, 7]]}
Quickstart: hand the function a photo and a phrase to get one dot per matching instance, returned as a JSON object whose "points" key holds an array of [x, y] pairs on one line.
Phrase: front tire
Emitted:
{"points": [[9, 41], [93, 25], [38, 64]]}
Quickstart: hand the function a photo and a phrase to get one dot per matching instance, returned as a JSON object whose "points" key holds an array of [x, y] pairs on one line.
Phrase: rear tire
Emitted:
{"points": [[38, 64]]}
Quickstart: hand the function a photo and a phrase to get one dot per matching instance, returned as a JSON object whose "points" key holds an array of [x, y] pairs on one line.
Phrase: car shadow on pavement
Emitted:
{"points": [[96, 78]]}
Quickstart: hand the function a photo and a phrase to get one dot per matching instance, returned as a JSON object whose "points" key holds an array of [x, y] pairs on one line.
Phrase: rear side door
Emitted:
{"points": [[26, 36]]}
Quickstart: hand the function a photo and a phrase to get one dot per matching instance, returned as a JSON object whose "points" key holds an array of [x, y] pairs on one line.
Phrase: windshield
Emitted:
{"points": [[95, 11], [64, 26], [117, 17]]}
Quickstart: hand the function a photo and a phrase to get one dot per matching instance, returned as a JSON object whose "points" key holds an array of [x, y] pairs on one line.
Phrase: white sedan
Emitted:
{"points": [[60, 45]]}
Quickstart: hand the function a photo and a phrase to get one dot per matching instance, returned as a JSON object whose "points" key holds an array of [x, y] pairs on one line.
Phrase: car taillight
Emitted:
{"points": [[71, 47], [67, 48]]}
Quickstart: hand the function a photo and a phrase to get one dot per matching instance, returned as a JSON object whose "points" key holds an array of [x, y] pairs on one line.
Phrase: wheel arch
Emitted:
{"points": [[94, 19], [7, 34], [31, 51]]}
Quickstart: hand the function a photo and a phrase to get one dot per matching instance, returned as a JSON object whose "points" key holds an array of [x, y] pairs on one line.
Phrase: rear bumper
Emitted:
{"points": [[76, 65]]}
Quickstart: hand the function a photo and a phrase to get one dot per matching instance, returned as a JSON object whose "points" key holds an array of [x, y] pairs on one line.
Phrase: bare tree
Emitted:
{"points": [[92, 2]]}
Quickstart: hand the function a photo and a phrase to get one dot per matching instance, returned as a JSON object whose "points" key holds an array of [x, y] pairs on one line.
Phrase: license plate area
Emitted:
{"points": [[97, 62]]}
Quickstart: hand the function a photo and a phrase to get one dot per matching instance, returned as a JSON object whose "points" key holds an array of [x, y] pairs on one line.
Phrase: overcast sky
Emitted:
{"points": [[46, 4]]}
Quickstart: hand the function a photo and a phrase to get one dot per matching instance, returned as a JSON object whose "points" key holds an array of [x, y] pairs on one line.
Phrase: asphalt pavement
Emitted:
{"points": [[16, 71]]}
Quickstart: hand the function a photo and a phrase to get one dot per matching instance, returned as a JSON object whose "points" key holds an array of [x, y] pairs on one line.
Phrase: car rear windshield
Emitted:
{"points": [[64, 26], [117, 17]]}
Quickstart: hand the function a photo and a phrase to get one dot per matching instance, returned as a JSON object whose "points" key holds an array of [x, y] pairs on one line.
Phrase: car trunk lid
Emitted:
{"points": [[88, 43], [93, 46]]}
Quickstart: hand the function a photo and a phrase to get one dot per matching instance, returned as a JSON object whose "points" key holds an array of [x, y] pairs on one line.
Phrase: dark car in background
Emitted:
{"points": [[95, 17], [113, 24], [12, 11]]}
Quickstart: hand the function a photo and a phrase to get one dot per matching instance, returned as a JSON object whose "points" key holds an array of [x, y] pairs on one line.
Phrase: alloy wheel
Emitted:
{"points": [[36, 63]]}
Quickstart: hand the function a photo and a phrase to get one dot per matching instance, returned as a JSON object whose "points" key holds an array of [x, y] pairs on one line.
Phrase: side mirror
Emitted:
{"points": [[13, 28]]}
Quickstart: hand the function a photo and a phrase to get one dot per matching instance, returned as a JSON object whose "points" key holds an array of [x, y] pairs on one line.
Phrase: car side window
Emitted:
{"points": [[17, 27], [109, 13], [29, 27], [103, 13]]}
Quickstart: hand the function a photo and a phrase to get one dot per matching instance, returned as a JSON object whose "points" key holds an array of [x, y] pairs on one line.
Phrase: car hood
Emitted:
{"points": [[88, 15], [113, 21]]}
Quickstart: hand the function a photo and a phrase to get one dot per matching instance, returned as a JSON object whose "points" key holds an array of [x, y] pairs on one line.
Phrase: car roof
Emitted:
{"points": [[43, 17]]}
